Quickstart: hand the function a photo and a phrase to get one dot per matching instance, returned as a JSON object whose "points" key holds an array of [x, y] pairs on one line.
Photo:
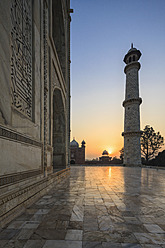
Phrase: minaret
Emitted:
{"points": [[83, 151], [132, 133]]}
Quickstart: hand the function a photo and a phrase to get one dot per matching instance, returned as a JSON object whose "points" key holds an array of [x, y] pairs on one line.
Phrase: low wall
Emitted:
{"points": [[16, 197]]}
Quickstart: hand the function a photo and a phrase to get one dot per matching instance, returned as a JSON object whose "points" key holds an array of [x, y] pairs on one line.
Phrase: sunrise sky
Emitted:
{"points": [[101, 34]]}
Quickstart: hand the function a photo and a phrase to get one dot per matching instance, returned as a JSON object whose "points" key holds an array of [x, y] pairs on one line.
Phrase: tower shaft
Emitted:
{"points": [[132, 133]]}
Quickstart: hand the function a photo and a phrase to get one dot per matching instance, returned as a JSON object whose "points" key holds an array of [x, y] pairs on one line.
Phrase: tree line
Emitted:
{"points": [[151, 143]]}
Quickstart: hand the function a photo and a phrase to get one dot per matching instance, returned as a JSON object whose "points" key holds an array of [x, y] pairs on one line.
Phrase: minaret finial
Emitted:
{"points": [[131, 45]]}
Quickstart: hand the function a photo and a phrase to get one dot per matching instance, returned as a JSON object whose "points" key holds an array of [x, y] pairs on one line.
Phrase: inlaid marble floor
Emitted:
{"points": [[95, 207]]}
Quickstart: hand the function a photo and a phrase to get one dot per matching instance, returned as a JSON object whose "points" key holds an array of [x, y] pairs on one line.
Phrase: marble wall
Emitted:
{"points": [[32, 67]]}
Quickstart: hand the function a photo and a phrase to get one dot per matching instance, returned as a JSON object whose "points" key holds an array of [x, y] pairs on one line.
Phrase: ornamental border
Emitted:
{"points": [[15, 136], [17, 177]]}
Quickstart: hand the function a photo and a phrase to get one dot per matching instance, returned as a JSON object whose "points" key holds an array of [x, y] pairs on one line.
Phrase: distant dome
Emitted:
{"points": [[74, 143], [105, 153]]}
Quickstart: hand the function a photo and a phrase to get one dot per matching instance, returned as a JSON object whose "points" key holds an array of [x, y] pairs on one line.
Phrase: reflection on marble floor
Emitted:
{"points": [[95, 207]]}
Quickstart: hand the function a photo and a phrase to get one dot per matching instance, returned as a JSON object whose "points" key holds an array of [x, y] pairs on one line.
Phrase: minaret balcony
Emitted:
{"points": [[133, 64], [133, 100], [132, 133]]}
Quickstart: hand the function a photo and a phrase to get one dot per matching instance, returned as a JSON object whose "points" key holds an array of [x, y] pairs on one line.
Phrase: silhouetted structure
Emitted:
{"points": [[105, 157], [77, 154]]}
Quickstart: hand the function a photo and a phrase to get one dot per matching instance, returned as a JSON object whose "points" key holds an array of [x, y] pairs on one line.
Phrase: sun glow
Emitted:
{"points": [[109, 150]]}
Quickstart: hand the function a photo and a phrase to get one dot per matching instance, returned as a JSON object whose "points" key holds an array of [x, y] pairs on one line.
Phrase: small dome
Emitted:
{"points": [[74, 143], [131, 52], [105, 153]]}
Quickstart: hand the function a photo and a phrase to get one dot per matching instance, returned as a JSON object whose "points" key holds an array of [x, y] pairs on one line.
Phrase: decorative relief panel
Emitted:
{"points": [[21, 56], [45, 48], [18, 137], [55, 79]]}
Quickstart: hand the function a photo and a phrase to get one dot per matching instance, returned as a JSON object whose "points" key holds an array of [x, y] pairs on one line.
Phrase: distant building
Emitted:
{"points": [[77, 154], [105, 157]]}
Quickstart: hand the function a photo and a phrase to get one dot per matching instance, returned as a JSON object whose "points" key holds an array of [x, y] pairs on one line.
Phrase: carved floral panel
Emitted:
{"points": [[21, 56]]}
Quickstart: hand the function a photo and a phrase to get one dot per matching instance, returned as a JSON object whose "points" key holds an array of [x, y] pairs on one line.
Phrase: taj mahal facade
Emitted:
{"points": [[34, 99]]}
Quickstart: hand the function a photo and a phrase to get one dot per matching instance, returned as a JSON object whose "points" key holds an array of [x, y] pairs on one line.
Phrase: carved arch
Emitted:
{"points": [[58, 32], [59, 130]]}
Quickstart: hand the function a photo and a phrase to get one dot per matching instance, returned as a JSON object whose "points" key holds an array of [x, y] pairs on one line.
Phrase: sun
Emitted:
{"points": [[109, 150]]}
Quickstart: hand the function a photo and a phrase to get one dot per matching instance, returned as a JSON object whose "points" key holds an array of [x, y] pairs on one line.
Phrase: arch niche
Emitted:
{"points": [[59, 131], [58, 32]]}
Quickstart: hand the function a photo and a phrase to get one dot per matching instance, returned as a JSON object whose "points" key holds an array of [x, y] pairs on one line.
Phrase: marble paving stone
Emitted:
{"points": [[54, 223], [34, 244], [87, 244], [42, 211], [127, 214], [3, 243], [129, 245], [15, 244], [116, 219], [62, 244], [31, 211], [31, 224], [37, 217], [61, 217], [91, 226], [96, 236], [151, 246], [48, 234], [77, 214], [152, 228], [25, 234], [8, 234], [128, 237], [105, 225], [74, 235], [111, 245], [75, 225], [162, 226], [24, 217], [131, 220], [159, 220], [146, 219], [16, 224], [150, 238], [47, 197], [109, 204]]}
